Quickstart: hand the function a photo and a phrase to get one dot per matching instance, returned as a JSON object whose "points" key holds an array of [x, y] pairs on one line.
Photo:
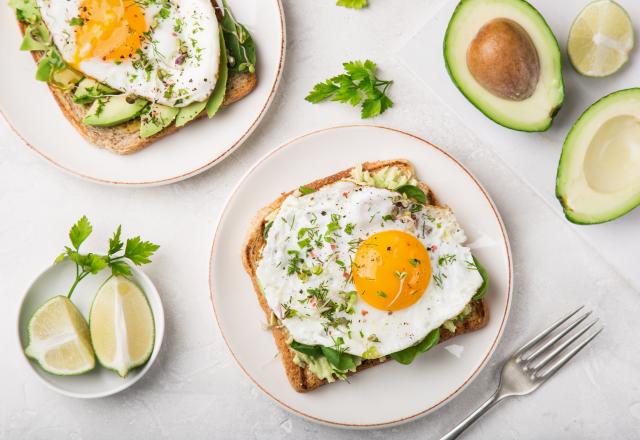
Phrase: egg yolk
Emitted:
{"points": [[112, 30], [391, 270]]}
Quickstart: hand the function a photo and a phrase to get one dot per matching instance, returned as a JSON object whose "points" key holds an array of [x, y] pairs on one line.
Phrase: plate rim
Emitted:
{"points": [[159, 339], [200, 169], [467, 381]]}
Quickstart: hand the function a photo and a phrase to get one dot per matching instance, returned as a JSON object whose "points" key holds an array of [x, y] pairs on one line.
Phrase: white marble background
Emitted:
{"points": [[195, 390]]}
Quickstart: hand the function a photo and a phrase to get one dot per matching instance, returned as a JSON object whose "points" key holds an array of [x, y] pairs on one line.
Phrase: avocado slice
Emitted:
{"points": [[217, 96], [156, 118], [113, 110], [65, 78], [599, 171], [89, 89], [190, 112], [506, 61]]}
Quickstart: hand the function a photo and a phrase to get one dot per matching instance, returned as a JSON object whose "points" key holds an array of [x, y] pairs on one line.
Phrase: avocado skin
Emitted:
{"points": [[158, 117], [552, 113], [113, 110], [569, 213]]}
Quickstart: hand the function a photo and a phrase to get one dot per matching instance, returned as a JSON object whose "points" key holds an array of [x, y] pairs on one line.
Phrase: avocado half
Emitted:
{"points": [[504, 58], [599, 172]]}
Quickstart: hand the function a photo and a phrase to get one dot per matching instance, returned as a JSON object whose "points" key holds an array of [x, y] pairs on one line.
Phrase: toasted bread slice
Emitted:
{"points": [[125, 138], [302, 379]]}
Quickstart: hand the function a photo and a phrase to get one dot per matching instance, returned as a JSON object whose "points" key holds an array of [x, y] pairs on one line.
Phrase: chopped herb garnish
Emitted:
{"points": [[446, 259], [304, 190]]}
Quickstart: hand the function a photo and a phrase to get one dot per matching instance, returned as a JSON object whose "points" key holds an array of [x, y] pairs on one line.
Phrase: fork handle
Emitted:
{"points": [[455, 432]]}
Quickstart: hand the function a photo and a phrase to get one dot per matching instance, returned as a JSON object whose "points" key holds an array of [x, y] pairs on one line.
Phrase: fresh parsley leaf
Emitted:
{"points": [[358, 86], [407, 355], [115, 244], [321, 91], [120, 268], [413, 192], [76, 21], [353, 4], [80, 231], [482, 290], [138, 251], [94, 263]]}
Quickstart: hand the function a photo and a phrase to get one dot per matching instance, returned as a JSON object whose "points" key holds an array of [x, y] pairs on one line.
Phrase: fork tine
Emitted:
{"points": [[545, 360], [567, 357], [556, 338], [542, 335]]}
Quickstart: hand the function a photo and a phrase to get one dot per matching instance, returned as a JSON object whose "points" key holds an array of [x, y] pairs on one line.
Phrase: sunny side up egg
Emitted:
{"points": [[366, 265], [166, 51]]}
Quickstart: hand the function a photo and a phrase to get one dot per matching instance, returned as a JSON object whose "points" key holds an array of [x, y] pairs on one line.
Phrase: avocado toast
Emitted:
{"points": [[302, 368], [123, 122]]}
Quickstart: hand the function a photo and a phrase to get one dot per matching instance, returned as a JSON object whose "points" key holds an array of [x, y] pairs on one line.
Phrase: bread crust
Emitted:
{"points": [[302, 379], [125, 138]]}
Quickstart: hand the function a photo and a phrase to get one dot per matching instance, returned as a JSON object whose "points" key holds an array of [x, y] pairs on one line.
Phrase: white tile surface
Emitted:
{"points": [[195, 390]]}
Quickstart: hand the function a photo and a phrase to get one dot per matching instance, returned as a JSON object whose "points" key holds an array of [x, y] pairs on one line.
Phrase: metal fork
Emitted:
{"points": [[536, 361]]}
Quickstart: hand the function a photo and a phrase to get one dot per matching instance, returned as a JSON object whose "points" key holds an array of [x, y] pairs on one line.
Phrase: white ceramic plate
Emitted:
{"points": [[100, 382], [30, 109], [391, 393]]}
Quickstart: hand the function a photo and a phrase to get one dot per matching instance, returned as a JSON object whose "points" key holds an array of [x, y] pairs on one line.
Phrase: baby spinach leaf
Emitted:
{"points": [[407, 355], [413, 192], [309, 350], [240, 45], [340, 360], [482, 290]]}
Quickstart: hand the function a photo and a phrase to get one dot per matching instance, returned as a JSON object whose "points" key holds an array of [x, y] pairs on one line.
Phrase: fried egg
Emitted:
{"points": [[365, 269], [166, 51]]}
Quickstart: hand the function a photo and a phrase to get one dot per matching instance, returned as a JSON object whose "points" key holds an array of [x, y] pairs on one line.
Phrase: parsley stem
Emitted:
{"points": [[75, 283]]}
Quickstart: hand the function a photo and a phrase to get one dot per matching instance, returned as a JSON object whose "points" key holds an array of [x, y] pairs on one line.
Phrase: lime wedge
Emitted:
{"points": [[600, 39], [59, 338], [121, 325]]}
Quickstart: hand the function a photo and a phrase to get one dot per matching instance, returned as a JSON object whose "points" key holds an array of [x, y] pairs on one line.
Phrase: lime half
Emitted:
{"points": [[121, 325], [600, 39], [59, 338]]}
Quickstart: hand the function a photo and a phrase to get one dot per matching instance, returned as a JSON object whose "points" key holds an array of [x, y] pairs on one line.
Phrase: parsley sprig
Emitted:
{"points": [[118, 256], [353, 4], [358, 86]]}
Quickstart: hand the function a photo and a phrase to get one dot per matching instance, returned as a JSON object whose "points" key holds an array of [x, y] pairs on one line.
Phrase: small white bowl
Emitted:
{"points": [[100, 382]]}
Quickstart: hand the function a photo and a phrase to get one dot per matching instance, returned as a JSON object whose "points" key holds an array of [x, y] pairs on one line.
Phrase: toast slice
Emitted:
{"points": [[125, 138], [302, 379]]}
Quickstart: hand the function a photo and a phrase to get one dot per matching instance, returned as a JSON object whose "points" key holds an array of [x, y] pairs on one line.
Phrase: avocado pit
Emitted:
{"points": [[504, 60]]}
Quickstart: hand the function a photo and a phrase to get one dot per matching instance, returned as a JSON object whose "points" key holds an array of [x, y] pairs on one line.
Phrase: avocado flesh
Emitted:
{"points": [[189, 113], [537, 111], [113, 110], [89, 89], [157, 118], [599, 171]]}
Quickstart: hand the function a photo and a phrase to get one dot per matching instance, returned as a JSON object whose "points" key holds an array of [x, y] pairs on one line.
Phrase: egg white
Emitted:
{"points": [[173, 80], [363, 206]]}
